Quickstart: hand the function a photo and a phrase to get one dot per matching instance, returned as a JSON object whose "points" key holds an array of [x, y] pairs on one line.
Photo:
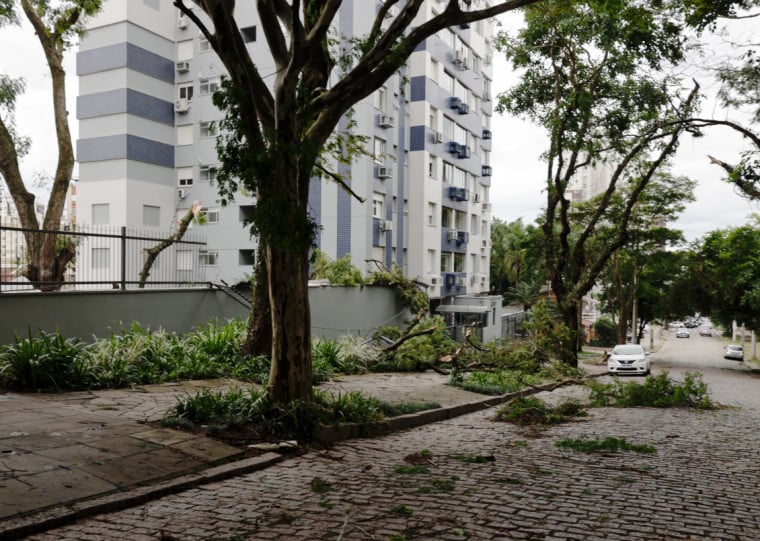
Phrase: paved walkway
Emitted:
{"points": [[484, 480]]}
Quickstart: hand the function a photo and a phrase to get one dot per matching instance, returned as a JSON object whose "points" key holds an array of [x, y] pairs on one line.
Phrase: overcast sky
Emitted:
{"points": [[518, 172]]}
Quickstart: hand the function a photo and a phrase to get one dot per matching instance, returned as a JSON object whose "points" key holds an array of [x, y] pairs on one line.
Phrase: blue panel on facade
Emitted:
{"points": [[123, 55], [416, 138], [118, 147], [375, 232], [145, 150], [125, 100], [145, 106], [418, 88], [344, 217], [111, 102], [150, 63], [112, 147], [102, 59]]}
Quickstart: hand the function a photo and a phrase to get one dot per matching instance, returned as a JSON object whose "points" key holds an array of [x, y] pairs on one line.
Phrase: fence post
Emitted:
{"points": [[123, 258]]}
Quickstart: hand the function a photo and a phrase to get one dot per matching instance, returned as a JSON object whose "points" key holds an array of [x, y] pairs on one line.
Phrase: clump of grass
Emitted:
{"points": [[43, 362], [411, 469], [320, 486], [438, 485], [402, 509], [533, 411], [405, 408], [608, 444], [656, 391]]}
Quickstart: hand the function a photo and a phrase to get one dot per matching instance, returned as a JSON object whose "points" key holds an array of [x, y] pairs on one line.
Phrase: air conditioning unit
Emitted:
{"points": [[386, 225], [454, 147], [461, 281], [385, 121], [183, 67], [181, 105], [435, 280], [437, 137], [383, 172], [460, 57], [455, 102], [486, 206], [462, 237], [486, 134], [486, 171], [182, 22], [181, 193], [467, 64], [464, 108], [452, 235], [464, 151]]}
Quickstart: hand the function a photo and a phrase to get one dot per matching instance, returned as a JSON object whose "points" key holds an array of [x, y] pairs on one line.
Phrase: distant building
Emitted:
{"points": [[147, 135]]}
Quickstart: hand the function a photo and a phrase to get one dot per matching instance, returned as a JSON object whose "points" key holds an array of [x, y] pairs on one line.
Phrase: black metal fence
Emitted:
{"points": [[105, 258]]}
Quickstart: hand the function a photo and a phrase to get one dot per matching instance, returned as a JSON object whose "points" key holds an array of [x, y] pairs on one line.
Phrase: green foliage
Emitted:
{"points": [[474, 459], [406, 408], [355, 355], [515, 257], [496, 383], [41, 363], [655, 392], [421, 351], [604, 332], [238, 413], [413, 296], [609, 445], [533, 411], [340, 272], [320, 486], [438, 485], [402, 510]]}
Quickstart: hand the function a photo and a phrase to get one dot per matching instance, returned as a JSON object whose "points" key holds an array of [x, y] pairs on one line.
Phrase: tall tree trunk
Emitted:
{"points": [[290, 376], [569, 310], [259, 338]]}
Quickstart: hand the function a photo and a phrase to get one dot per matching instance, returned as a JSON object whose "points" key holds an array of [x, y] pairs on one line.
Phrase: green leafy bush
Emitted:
{"points": [[656, 391], [40, 363], [528, 410], [496, 383]]}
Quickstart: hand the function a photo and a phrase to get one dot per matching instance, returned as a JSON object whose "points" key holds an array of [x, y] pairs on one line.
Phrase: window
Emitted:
{"points": [[185, 135], [448, 37], [458, 262], [151, 216], [249, 33], [459, 178], [431, 261], [377, 205], [204, 44], [448, 172], [447, 82], [184, 260], [381, 97], [447, 217], [245, 213], [185, 176], [448, 129], [185, 50], [474, 219], [433, 118], [212, 215], [101, 258], [247, 257], [185, 92], [431, 214], [101, 214], [379, 150], [208, 173], [208, 86], [208, 258], [445, 261], [208, 129], [433, 167]]}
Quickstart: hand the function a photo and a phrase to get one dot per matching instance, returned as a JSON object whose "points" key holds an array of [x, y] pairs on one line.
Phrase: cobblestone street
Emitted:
{"points": [[702, 483]]}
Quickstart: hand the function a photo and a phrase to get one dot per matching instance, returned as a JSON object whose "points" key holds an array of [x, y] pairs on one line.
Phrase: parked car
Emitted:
{"points": [[705, 331], [734, 351], [628, 359], [683, 332]]}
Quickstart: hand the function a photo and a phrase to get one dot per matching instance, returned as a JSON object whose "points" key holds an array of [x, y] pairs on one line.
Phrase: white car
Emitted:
{"points": [[628, 359], [683, 332]]}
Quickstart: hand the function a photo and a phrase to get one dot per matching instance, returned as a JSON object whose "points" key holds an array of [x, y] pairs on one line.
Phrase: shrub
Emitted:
{"points": [[604, 332], [656, 391], [533, 411], [40, 363]]}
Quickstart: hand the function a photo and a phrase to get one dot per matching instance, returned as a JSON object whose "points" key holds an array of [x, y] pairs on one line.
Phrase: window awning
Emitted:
{"points": [[463, 308]]}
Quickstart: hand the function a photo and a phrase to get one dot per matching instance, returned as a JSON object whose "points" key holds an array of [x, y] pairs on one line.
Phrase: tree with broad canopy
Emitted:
{"points": [[282, 129]]}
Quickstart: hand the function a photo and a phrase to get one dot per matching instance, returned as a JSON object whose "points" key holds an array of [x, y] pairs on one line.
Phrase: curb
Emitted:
{"points": [[66, 514], [326, 435]]}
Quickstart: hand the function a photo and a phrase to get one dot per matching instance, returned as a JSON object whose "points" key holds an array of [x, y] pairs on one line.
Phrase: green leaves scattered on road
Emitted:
{"points": [[608, 444]]}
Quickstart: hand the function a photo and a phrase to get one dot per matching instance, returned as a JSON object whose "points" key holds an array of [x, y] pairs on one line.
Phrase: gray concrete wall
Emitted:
{"points": [[335, 311]]}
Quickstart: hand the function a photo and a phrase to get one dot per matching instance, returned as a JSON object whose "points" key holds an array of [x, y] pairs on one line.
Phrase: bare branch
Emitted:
{"points": [[338, 179]]}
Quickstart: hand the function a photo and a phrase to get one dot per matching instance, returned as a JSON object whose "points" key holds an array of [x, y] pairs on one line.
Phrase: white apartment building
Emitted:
{"points": [[147, 135]]}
